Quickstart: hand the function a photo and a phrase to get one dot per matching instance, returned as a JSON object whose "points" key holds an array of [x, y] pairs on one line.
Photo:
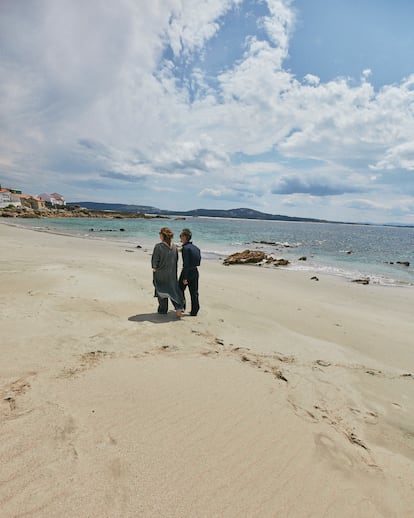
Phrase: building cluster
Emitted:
{"points": [[15, 198]]}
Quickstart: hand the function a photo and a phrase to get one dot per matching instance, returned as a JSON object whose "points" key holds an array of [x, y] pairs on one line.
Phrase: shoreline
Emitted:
{"points": [[282, 397], [375, 279]]}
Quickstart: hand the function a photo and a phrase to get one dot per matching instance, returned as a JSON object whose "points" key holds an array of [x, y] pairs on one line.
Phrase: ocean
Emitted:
{"points": [[351, 251]]}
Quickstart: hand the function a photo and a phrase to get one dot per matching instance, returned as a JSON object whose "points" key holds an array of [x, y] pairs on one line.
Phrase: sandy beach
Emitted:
{"points": [[284, 397]]}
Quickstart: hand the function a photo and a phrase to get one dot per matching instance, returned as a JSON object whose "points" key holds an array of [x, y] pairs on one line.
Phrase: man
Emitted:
{"points": [[189, 275]]}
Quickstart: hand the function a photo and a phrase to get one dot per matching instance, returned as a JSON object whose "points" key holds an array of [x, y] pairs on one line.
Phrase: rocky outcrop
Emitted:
{"points": [[255, 257], [247, 256], [403, 263], [71, 211]]}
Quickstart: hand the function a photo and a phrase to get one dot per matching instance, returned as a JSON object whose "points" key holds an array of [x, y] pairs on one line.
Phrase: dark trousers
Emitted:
{"points": [[193, 288], [163, 305]]}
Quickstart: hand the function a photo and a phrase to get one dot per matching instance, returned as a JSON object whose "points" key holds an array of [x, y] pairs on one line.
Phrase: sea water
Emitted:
{"points": [[349, 250]]}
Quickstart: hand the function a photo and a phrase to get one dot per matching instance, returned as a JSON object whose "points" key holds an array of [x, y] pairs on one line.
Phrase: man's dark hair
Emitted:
{"points": [[186, 232]]}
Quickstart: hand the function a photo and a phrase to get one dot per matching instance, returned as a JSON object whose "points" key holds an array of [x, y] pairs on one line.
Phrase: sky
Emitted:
{"points": [[294, 107]]}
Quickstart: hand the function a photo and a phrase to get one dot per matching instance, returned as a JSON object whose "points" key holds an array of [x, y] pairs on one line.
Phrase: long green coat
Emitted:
{"points": [[164, 261]]}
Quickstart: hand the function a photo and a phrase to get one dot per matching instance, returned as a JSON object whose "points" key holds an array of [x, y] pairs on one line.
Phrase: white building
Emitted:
{"points": [[5, 199], [16, 199], [9, 198], [54, 199]]}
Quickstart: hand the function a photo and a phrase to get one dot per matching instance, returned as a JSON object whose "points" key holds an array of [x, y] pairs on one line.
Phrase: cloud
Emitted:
{"points": [[312, 80], [117, 96], [403, 208], [122, 176], [194, 22], [315, 186], [400, 156], [228, 194], [190, 157], [362, 204]]}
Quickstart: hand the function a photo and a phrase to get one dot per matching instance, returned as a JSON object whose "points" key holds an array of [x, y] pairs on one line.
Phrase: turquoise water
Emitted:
{"points": [[352, 251]]}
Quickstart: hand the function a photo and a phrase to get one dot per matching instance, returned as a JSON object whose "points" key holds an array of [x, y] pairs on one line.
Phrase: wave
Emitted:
{"points": [[373, 278]]}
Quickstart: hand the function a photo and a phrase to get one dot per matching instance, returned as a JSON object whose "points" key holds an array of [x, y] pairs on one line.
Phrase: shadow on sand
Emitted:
{"points": [[155, 318]]}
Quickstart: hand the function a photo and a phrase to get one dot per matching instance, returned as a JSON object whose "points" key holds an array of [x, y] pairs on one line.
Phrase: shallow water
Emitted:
{"points": [[352, 251]]}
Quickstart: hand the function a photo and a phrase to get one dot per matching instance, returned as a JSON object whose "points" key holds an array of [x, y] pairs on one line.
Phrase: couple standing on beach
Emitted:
{"points": [[164, 263]]}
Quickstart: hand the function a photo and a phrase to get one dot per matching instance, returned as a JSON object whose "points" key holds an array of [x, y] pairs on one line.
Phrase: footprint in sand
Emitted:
{"points": [[88, 360], [352, 437], [10, 392], [323, 363], [68, 429], [11, 401], [373, 372], [169, 348], [285, 359], [369, 417]]}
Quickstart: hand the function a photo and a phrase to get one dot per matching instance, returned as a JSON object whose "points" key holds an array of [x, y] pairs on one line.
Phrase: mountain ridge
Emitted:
{"points": [[239, 213]]}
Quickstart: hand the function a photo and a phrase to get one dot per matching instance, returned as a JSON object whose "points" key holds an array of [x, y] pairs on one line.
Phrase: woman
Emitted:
{"points": [[164, 265]]}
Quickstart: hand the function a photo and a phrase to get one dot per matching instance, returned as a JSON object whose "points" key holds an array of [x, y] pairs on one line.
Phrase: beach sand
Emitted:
{"points": [[284, 397]]}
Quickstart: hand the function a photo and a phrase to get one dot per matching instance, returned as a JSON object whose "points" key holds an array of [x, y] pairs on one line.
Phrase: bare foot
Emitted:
{"points": [[179, 313]]}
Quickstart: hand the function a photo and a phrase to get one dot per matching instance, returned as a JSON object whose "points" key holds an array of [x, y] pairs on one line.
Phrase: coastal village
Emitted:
{"points": [[14, 201], [16, 204]]}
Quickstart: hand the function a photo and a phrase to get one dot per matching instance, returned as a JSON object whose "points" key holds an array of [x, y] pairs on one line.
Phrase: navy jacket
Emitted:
{"points": [[191, 259]]}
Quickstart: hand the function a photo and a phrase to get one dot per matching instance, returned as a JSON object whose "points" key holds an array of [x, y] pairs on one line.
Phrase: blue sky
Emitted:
{"points": [[303, 108]]}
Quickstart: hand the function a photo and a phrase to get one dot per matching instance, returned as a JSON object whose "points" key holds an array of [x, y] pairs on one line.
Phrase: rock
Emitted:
{"points": [[403, 263], [303, 258], [247, 256], [280, 262], [314, 278], [361, 281], [30, 215]]}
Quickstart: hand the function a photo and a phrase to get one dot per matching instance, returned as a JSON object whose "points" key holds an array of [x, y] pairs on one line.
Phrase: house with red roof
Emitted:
{"points": [[15, 198]]}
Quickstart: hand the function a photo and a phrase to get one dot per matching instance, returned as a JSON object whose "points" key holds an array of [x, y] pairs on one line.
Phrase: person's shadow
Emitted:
{"points": [[155, 318]]}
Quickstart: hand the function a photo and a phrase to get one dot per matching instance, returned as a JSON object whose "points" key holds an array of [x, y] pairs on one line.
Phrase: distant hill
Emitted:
{"points": [[116, 207], [241, 213]]}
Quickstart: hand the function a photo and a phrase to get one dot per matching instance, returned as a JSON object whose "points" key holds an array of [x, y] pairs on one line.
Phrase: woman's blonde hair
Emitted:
{"points": [[167, 234]]}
